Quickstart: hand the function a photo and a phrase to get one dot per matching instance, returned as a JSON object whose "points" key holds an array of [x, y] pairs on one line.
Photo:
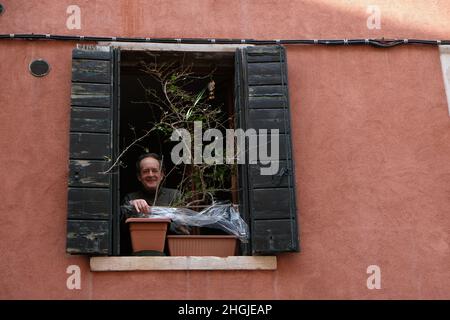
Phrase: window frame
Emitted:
{"points": [[241, 100]]}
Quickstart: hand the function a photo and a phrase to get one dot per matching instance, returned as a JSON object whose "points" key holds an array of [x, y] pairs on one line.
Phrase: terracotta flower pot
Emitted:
{"points": [[148, 234], [202, 245]]}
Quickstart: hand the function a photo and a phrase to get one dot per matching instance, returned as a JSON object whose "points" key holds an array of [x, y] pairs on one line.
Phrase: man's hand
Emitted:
{"points": [[140, 205]]}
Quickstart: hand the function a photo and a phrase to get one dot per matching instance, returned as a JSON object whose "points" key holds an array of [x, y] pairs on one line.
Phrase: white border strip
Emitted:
{"points": [[183, 263], [175, 46], [444, 52]]}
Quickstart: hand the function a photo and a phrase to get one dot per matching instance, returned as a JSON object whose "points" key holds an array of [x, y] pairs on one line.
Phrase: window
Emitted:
{"points": [[143, 77], [267, 202]]}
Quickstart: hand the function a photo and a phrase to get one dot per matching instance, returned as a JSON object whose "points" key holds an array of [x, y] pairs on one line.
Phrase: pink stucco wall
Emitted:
{"points": [[371, 136]]}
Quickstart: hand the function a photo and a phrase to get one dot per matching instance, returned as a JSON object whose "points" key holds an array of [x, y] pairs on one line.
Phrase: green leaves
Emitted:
{"points": [[192, 109], [199, 97], [188, 114]]}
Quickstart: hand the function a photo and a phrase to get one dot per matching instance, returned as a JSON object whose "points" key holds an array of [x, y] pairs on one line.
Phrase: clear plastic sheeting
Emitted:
{"points": [[220, 215]]}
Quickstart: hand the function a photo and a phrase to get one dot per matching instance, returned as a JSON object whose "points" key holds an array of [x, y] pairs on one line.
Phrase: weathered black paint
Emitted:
{"points": [[240, 92], [88, 237], [91, 95], [90, 119], [89, 173], [263, 103], [89, 203], [89, 224]]}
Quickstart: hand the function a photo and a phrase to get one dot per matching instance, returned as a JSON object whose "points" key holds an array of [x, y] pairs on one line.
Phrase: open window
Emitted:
{"points": [[158, 87], [108, 109]]}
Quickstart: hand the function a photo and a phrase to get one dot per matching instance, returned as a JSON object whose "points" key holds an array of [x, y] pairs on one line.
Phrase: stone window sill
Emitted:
{"points": [[183, 263]]}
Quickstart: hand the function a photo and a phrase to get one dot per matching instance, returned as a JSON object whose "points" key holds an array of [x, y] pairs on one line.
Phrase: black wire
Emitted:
{"points": [[379, 43]]}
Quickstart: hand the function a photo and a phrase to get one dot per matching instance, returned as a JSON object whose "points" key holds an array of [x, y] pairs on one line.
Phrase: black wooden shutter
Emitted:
{"points": [[262, 102], [90, 192]]}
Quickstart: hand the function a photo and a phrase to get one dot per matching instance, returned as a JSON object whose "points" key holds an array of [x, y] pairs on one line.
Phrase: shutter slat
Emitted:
{"points": [[278, 179], [282, 143], [87, 203], [89, 214], [265, 73], [268, 196], [266, 91], [88, 173], [271, 203], [89, 145], [91, 71], [269, 236], [92, 54], [89, 119], [264, 58], [264, 51], [283, 146], [88, 237], [268, 119], [264, 54], [266, 102], [91, 94]]}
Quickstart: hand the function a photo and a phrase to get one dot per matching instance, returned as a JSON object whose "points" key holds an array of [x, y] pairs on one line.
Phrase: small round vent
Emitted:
{"points": [[39, 68]]}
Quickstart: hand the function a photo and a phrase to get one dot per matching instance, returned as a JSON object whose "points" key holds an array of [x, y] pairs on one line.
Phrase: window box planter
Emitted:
{"points": [[148, 234], [202, 245]]}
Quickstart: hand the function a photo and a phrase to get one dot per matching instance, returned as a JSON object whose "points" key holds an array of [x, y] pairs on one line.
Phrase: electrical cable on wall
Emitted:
{"points": [[380, 43]]}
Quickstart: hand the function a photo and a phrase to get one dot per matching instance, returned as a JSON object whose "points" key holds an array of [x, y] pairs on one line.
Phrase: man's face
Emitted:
{"points": [[150, 175]]}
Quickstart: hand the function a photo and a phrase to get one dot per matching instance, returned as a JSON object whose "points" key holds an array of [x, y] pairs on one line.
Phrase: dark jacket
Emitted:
{"points": [[166, 197]]}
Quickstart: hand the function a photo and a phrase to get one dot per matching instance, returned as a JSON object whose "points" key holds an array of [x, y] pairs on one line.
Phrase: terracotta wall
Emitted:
{"points": [[371, 133]]}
